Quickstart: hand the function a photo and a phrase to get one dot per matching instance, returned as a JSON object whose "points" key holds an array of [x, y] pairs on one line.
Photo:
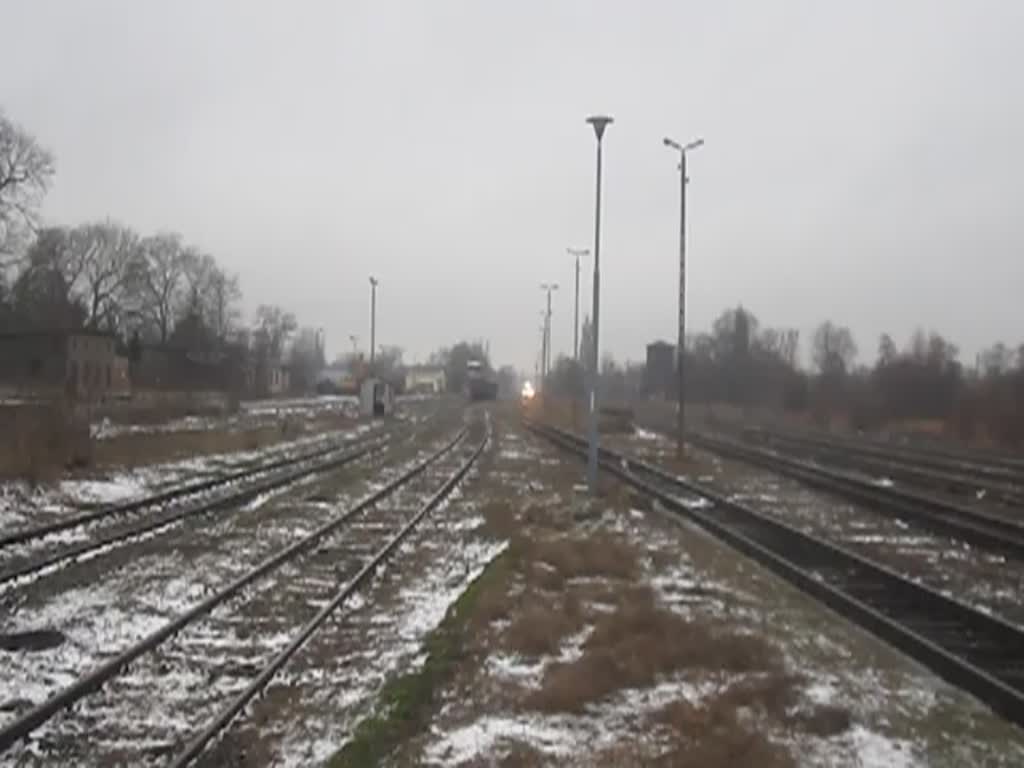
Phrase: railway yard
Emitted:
{"points": [[438, 588]]}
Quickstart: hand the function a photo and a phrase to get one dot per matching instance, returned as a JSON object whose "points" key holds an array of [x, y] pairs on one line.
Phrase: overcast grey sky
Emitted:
{"points": [[864, 160]]}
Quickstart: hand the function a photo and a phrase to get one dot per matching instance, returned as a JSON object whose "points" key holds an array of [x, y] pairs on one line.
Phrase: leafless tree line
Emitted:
{"points": [[104, 276], [741, 363]]}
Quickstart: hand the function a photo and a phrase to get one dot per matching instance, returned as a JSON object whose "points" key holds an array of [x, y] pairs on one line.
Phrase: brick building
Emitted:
{"points": [[81, 364]]}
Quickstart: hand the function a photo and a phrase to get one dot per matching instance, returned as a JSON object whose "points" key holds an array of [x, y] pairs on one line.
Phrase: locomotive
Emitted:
{"points": [[481, 383]]}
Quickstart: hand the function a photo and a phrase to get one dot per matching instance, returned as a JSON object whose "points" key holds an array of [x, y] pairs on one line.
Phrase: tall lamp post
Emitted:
{"points": [[373, 319], [598, 123], [355, 344], [548, 288], [577, 252], [681, 345]]}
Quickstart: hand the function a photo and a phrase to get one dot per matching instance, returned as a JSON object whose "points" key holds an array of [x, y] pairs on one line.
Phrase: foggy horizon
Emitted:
{"points": [[860, 162]]}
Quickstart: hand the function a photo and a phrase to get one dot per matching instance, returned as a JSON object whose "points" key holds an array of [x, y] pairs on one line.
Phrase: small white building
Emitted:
{"points": [[425, 379], [376, 398]]}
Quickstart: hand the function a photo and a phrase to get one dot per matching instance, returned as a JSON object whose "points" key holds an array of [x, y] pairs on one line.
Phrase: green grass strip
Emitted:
{"points": [[405, 702]]}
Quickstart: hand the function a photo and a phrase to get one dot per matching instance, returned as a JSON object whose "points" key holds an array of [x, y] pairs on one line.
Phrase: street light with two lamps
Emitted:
{"points": [[681, 346]]}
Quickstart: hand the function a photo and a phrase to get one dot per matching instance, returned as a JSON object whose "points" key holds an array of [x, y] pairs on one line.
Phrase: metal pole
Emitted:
{"points": [[373, 320], [576, 315], [681, 348], [540, 360], [681, 345], [592, 441], [547, 326], [544, 354]]}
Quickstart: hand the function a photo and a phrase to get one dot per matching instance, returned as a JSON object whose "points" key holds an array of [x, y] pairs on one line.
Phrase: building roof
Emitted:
{"points": [[660, 344]]}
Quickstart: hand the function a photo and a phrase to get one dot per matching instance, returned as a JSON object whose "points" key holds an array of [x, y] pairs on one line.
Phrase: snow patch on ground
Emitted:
{"points": [[421, 605], [863, 748], [33, 676], [485, 735], [120, 487], [646, 434], [22, 506]]}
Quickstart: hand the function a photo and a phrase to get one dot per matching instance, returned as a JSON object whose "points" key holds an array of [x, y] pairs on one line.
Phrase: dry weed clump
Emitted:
{"points": [[711, 735], [494, 605], [541, 626], [595, 554], [40, 441], [522, 755], [499, 519], [821, 720], [640, 642], [136, 449], [726, 729]]}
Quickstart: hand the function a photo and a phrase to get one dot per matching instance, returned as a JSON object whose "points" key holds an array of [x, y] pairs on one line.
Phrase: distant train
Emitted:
{"points": [[481, 383]]}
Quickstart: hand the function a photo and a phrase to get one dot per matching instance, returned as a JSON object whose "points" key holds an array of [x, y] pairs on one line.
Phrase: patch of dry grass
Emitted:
{"points": [[728, 728], [136, 449], [493, 605], [712, 735], [140, 448], [499, 519], [640, 642], [541, 626], [523, 756], [41, 441], [821, 720], [599, 553]]}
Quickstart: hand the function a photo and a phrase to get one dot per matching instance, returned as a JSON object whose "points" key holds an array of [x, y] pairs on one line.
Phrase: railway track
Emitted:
{"points": [[973, 650], [943, 516], [32, 551], [983, 467], [312, 578], [955, 479]]}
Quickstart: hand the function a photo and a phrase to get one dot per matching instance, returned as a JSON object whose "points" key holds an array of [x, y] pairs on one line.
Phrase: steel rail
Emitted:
{"points": [[323, 462], [92, 681], [848, 454], [979, 653], [224, 718], [987, 467], [940, 515], [25, 535]]}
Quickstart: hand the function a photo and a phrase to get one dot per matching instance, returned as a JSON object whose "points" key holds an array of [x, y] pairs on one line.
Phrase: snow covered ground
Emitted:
{"points": [[886, 710], [851, 701], [252, 413], [985, 579], [140, 716], [22, 506]]}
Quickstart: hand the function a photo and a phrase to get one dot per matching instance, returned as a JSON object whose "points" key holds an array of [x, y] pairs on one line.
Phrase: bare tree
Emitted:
{"points": [[108, 253], [306, 359], [157, 280], [996, 360], [26, 169], [197, 277], [273, 327], [833, 349], [43, 294], [887, 352], [222, 303]]}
